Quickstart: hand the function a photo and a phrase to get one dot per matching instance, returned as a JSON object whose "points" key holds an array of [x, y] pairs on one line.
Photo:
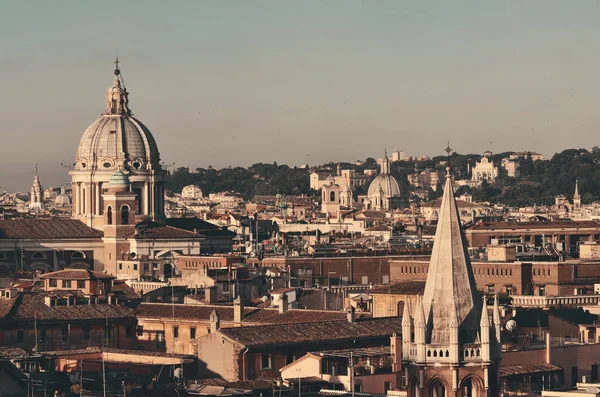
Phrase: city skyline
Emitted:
{"points": [[240, 83]]}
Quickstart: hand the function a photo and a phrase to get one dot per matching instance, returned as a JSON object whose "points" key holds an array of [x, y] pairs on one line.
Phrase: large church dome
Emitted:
{"points": [[384, 184], [117, 139]]}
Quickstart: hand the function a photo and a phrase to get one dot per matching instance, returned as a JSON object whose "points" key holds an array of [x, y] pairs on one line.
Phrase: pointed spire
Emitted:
{"points": [[450, 282], [419, 314], [576, 195], [406, 315], [485, 319], [496, 313]]}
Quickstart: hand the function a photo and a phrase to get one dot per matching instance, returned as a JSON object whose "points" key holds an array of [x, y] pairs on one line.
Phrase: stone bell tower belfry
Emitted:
{"points": [[450, 345]]}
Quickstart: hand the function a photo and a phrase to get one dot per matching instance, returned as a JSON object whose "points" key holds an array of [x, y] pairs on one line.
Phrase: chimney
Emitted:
{"points": [[238, 310], [351, 314], [210, 295], [215, 322], [283, 303]]}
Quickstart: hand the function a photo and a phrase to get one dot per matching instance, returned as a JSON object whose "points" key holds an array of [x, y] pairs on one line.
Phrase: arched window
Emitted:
{"points": [[109, 215], [77, 255], [125, 215], [332, 196], [38, 255]]}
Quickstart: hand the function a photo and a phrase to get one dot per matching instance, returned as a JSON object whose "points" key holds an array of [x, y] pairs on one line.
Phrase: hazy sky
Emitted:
{"points": [[237, 82]]}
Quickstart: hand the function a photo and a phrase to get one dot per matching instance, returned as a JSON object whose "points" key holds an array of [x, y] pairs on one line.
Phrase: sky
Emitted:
{"points": [[238, 82]]}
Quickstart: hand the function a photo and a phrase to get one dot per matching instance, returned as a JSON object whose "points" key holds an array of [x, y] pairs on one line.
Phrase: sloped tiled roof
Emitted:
{"points": [[46, 229], [77, 274], [320, 332], [410, 287], [527, 369], [30, 304], [251, 315]]}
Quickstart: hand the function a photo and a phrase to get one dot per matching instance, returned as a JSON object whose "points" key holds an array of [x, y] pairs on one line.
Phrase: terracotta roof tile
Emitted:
{"points": [[402, 288], [526, 369], [320, 331], [46, 229], [77, 274]]}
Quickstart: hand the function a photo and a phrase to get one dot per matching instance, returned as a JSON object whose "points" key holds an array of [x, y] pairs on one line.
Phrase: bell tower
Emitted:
{"points": [[450, 346], [119, 219]]}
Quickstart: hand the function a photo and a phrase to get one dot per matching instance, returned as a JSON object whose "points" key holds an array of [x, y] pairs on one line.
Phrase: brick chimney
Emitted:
{"points": [[210, 295], [283, 303], [215, 322], [351, 314], [238, 310]]}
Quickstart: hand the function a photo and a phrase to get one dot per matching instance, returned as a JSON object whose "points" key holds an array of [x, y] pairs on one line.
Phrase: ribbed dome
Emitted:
{"points": [[384, 183], [62, 199], [117, 138], [119, 179]]}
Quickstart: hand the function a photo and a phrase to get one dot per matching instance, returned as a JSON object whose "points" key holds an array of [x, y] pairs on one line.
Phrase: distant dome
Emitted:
{"points": [[386, 184], [62, 200], [119, 179]]}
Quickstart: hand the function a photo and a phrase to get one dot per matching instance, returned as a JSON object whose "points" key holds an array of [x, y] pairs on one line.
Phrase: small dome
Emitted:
{"points": [[119, 179], [384, 183], [62, 199]]}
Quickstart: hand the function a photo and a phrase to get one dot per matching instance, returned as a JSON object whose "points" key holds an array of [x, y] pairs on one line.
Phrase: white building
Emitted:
{"points": [[191, 192], [484, 170]]}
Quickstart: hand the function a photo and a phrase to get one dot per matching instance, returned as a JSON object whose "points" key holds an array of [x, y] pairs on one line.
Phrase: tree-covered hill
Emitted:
{"points": [[538, 183]]}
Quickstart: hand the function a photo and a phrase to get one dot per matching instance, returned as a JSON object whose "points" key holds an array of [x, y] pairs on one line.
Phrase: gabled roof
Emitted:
{"points": [[46, 229], [30, 304], [152, 230], [200, 226], [313, 332], [77, 274], [251, 315]]}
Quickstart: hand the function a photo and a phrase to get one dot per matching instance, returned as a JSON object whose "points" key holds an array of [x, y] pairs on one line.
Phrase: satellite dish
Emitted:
{"points": [[511, 325], [178, 373]]}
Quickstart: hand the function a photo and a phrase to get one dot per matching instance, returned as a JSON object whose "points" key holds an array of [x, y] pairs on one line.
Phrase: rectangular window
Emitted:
{"points": [[386, 279], [140, 330], [65, 333], [135, 266], [192, 332], [387, 386], [491, 288], [542, 290], [53, 283], [160, 339], [146, 267], [265, 361], [66, 283], [509, 290], [80, 284], [20, 336], [175, 331], [365, 280], [120, 266], [574, 376]]}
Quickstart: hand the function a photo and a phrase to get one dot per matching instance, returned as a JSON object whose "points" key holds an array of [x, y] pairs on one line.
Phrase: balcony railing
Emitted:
{"points": [[553, 301]]}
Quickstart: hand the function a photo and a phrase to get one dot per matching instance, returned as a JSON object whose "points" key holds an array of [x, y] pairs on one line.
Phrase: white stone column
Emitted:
{"points": [[97, 189], [74, 209], [144, 199]]}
